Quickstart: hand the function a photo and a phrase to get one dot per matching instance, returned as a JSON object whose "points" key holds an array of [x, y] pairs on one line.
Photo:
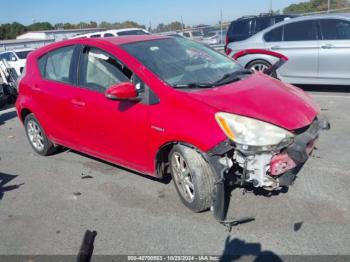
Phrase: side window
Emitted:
{"points": [[100, 70], [335, 29], [186, 34], [262, 23], [108, 35], [95, 36], [12, 57], [56, 64], [274, 35], [300, 31]]}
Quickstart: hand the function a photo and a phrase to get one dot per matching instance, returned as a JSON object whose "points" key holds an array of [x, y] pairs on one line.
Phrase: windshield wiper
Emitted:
{"points": [[232, 77], [193, 85]]}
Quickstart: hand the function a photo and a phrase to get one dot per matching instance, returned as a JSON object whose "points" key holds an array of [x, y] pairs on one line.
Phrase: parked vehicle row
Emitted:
{"points": [[159, 105], [114, 33]]}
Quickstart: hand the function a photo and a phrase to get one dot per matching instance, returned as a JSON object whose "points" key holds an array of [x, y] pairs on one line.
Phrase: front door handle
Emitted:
{"points": [[78, 102], [276, 47]]}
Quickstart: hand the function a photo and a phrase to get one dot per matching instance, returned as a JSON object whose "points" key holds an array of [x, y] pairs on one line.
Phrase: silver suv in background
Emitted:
{"points": [[318, 48]]}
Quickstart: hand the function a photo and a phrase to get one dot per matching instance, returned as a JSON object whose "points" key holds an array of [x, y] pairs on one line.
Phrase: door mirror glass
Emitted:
{"points": [[122, 91]]}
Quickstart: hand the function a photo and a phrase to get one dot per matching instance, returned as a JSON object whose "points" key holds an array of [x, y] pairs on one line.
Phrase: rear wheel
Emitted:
{"points": [[37, 137], [193, 177]]}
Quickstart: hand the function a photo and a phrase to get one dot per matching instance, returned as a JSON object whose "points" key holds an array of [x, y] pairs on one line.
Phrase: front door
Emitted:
{"points": [[334, 61], [117, 131]]}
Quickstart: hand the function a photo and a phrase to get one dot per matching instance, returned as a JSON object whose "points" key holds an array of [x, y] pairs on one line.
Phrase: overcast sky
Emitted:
{"points": [[141, 11]]}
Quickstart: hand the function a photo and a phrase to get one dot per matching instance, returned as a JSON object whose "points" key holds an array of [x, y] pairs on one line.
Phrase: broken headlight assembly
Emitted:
{"points": [[248, 133]]}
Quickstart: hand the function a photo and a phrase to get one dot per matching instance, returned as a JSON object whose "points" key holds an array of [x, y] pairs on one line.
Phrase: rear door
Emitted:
{"points": [[299, 42], [335, 49], [54, 93]]}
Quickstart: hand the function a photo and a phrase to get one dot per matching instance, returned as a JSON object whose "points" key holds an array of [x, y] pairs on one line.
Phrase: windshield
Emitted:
{"points": [[179, 61], [23, 54], [197, 33]]}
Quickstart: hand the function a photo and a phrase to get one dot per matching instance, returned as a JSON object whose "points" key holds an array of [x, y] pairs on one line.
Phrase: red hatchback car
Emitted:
{"points": [[159, 105]]}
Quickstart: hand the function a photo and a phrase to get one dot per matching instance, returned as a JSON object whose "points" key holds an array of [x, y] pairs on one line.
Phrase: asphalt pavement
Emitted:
{"points": [[47, 203]]}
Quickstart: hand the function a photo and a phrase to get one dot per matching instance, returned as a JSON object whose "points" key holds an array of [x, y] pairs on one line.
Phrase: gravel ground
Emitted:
{"points": [[46, 204]]}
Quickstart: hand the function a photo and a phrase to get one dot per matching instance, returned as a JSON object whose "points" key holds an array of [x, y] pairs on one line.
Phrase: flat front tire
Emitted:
{"points": [[37, 137], [193, 177]]}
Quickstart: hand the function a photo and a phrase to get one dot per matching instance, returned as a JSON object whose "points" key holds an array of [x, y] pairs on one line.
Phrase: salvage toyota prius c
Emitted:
{"points": [[160, 105]]}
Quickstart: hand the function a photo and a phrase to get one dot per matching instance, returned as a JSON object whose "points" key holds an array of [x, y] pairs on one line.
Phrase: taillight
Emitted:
{"points": [[228, 51]]}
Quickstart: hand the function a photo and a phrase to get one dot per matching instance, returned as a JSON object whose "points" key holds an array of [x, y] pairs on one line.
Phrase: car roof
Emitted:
{"points": [[123, 30], [299, 19]]}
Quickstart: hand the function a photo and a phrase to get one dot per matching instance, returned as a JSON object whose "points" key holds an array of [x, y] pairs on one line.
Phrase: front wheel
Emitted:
{"points": [[193, 178], [37, 137], [260, 66]]}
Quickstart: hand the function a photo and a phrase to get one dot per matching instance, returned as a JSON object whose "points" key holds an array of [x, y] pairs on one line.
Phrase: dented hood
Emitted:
{"points": [[264, 98]]}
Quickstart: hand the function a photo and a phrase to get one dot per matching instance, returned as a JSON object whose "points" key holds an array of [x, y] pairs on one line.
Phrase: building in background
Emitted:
{"points": [[14, 44], [57, 35]]}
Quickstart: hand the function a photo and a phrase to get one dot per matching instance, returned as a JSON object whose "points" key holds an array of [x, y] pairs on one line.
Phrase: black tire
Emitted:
{"points": [[260, 62], [201, 175], [47, 146]]}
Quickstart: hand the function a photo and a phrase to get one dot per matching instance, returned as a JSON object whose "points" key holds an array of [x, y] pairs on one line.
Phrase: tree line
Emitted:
{"points": [[315, 6]]}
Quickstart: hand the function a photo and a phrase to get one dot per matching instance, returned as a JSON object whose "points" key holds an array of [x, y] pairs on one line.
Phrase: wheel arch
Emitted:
{"points": [[248, 59], [161, 161], [23, 113]]}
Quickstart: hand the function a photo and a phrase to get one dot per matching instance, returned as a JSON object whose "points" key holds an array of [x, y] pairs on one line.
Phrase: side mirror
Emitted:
{"points": [[122, 91]]}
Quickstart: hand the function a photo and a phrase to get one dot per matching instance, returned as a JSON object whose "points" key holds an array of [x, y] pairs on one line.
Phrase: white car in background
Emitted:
{"points": [[114, 33], [16, 58], [193, 35]]}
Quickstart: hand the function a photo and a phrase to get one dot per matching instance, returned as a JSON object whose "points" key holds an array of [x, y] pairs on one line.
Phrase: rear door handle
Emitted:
{"points": [[78, 102], [35, 87], [327, 46]]}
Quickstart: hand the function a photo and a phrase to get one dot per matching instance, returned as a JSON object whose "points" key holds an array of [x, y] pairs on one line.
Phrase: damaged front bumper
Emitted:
{"points": [[269, 169]]}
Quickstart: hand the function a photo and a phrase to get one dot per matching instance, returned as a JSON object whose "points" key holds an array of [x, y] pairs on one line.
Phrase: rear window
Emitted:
{"points": [[56, 64], [23, 54], [133, 32], [335, 29]]}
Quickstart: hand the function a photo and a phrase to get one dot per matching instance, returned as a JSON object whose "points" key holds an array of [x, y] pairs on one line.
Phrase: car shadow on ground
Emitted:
{"points": [[7, 116], [166, 180], [5, 179], [325, 88], [236, 250]]}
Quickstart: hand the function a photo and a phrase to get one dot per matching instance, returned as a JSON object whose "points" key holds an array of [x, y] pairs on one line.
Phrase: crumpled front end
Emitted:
{"points": [[270, 169]]}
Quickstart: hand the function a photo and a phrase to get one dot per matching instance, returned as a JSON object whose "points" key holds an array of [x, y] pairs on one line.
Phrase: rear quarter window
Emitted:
{"points": [[274, 35]]}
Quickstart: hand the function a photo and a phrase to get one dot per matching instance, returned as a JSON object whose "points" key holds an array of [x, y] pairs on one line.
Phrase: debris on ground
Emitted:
{"points": [[298, 225], [85, 176]]}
